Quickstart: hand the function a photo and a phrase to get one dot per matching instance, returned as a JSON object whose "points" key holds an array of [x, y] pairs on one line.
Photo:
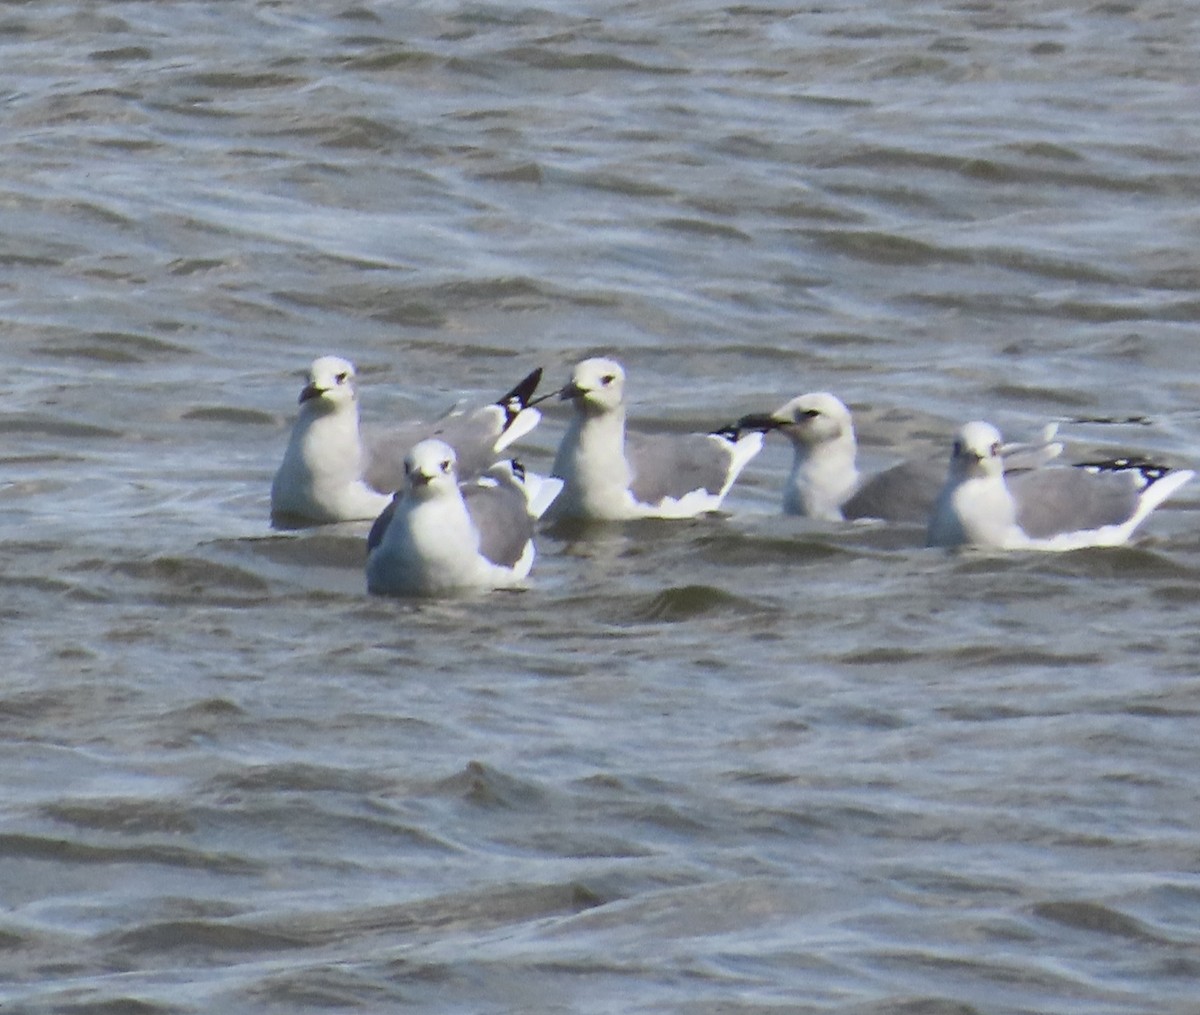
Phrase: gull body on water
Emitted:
{"points": [[824, 481], [440, 537], [331, 472], [749, 764], [1063, 508], [611, 475]]}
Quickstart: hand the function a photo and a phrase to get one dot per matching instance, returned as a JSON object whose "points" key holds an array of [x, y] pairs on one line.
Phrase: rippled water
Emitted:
{"points": [[738, 764]]}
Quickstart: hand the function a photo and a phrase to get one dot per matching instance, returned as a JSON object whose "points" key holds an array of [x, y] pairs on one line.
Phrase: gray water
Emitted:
{"points": [[739, 764]]}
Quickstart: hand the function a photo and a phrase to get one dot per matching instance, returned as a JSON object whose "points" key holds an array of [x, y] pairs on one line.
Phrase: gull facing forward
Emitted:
{"points": [[440, 537], [328, 474], [1068, 508]]}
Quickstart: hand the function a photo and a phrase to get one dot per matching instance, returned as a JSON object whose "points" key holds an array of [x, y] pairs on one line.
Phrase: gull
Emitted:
{"points": [[609, 475], [440, 536], [825, 483], [330, 474], [1067, 508]]}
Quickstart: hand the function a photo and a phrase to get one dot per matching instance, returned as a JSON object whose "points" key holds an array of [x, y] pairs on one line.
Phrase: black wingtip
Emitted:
{"points": [[518, 398], [1114, 420], [730, 432], [753, 423], [1149, 471]]}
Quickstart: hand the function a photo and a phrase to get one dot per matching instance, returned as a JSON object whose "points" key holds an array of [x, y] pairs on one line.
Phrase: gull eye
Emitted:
{"points": [[802, 414], [994, 450], [342, 377], [446, 465], [607, 379]]}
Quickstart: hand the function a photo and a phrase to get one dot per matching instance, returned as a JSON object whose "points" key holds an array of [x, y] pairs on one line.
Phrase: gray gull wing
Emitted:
{"points": [[476, 435], [500, 513], [674, 465], [379, 526], [903, 493], [1057, 500]]}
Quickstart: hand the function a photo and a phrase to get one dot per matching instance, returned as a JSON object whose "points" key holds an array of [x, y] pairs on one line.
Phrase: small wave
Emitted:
{"points": [[1095, 918], [877, 247], [14, 260], [42, 427], [490, 788], [522, 172], [1059, 397], [119, 347], [327, 988], [302, 778], [750, 550], [128, 817], [46, 848], [688, 602], [191, 574], [308, 548], [1132, 562], [465, 912], [230, 414], [545, 58], [202, 935], [628, 186], [360, 133], [702, 227], [425, 307], [242, 82], [185, 266], [84, 1002], [121, 54], [387, 58], [971, 656]]}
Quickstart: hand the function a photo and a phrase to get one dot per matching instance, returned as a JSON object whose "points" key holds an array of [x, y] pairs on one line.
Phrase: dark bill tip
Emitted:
{"points": [[761, 422]]}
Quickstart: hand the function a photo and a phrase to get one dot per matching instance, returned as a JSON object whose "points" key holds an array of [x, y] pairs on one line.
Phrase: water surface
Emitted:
{"points": [[737, 764]]}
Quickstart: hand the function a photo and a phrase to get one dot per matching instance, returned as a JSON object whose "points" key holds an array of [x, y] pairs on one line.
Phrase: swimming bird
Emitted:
{"points": [[440, 536], [330, 474], [610, 475], [825, 483], [1064, 508]]}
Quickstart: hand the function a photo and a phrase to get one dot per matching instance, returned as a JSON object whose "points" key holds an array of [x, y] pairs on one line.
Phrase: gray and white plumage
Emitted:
{"points": [[441, 537], [609, 475], [824, 481], [333, 473], [1064, 508]]}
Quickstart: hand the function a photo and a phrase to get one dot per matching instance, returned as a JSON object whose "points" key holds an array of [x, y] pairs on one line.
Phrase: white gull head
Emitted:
{"points": [[597, 386], [976, 451], [824, 475], [321, 476], [431, 470], [330, 385]]}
